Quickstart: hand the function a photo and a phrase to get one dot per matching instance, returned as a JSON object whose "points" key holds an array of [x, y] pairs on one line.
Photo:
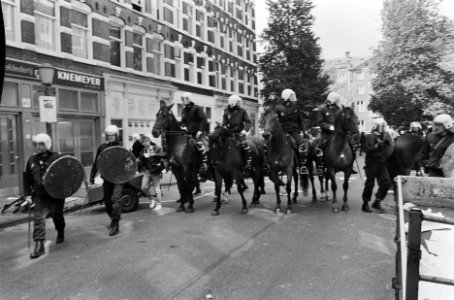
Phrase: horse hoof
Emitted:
{"points": [[335, 209], [345, 207], [244, 211], [277, 211], [314, 200], [262, 192], [215, 213], [190, 210], [180, 209], [224, 201], [288, 212]]}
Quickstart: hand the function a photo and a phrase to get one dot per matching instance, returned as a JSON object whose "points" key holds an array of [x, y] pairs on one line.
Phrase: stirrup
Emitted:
{"points": [[304, 171]]}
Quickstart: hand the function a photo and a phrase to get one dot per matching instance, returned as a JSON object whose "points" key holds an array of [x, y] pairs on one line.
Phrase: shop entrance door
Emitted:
{"points": [[77, 138], [9, 158]]}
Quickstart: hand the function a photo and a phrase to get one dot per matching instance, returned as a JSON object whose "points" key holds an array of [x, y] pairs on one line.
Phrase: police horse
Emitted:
{"points": [[282, 158], [339, 155], [227, 163], [182, 154]]}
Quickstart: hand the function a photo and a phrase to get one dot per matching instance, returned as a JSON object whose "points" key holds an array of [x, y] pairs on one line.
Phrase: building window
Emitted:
{"points": [[360, 75], [168, 15], [10, 95], [79, 27], [115, 45], [8, 19], [187, 17], [45, 24], [156, 60], [208, 112], [88, 102], [200, 65], [137, 45], [68, 100], [188, 62], [360, 90], [169, 64], [200, 21]]}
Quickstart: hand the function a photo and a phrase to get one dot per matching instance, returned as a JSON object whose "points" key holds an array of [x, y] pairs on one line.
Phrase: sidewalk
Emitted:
{"points": [[72, 203]]}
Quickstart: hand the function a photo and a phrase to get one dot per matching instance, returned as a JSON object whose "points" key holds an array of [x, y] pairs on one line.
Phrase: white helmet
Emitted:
{"points": [[234, 100], [146, 136], [415, 124], [111, 130], [42, 138], [445, 120], [333, 98], [288, 94], [136, 136], [188, 96], [379, 124]]}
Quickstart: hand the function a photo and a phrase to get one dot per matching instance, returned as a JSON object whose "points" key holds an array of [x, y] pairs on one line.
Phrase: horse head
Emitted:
{"points": [[347, 121], [270, 124], [165, 120]]}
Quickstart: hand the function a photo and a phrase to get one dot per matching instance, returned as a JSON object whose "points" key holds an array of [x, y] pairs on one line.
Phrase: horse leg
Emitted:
{"points": [[189, 189], [256, 194], [181, 190], [332, 176], [218, 189], [295, 177], [275, 178], [289, 191], [311, 179], [239, 183], [262, 185], [345, 206]]}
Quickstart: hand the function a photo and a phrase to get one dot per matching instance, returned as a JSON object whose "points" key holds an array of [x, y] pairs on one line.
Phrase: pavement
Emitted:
{"points": [[73, 203]]}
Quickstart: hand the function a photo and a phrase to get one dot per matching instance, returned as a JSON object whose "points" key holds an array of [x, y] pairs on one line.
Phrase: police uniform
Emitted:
{"points": [[434, 147], [327, 117], [193, 117], [378, 147], [36, 167], [112, 191]]}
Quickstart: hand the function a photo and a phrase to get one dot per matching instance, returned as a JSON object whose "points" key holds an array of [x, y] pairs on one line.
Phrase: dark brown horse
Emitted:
{"points": [[281, 157], [339, 154], [181, 154], [227, 162], [407, 149]]}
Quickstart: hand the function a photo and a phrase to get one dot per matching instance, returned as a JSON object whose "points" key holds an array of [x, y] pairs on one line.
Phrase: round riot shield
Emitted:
{"points": [[447, 162], [63, 177], [117, 165]]}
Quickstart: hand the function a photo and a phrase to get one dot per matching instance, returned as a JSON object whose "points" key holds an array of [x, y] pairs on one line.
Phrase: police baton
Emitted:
{"points": [[359, 170]]}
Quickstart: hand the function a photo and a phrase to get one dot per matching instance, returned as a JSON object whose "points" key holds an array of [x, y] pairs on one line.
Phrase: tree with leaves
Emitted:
{"points": [[414, 76], [292, 54]]}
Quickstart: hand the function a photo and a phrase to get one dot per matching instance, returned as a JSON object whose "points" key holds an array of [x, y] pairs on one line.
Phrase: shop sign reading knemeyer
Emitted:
{"points": [[48, 109], [78, 80]]}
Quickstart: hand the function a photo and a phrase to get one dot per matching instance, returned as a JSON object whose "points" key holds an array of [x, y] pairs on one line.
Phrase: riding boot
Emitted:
{"points": [[115, 228], [377, 206], [365, 207], [39, 249], [60, 236]]}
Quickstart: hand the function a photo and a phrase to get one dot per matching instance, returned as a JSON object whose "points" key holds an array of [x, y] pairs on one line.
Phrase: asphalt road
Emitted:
{"points": [[310, 254]]}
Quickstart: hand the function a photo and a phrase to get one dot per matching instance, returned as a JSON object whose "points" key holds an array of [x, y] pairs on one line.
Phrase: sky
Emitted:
{"points": [[345, 25]]}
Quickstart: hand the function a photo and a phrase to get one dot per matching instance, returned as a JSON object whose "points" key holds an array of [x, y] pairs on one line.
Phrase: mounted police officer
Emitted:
{"points": [[326, 118], [37, 166], [291, 121], [378, 147], [237, 121], [194, 121], [436, 143], [416, 128], [112, 191]]}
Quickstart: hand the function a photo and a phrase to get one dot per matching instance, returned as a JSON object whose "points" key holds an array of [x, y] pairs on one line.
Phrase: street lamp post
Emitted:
{"points": [[46, 75]]}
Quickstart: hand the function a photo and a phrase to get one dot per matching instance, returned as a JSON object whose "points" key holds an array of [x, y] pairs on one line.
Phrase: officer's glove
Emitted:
{"points": [[198, 134], [92, 181], [331, 127], [243, 132], [184, 128]]}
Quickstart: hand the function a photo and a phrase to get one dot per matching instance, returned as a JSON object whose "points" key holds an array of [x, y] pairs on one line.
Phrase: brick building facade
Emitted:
{"points": [[138, 51]]}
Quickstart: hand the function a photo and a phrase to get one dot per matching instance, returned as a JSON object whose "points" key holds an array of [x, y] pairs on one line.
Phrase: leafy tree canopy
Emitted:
{"points": [[292, 54], [414, 73]]}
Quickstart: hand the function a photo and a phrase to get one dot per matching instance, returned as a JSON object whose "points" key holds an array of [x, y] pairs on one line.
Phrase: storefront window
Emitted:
{"points": [[86, 143], [89, 102], [9, 95], [65, 131], [67, 100]]}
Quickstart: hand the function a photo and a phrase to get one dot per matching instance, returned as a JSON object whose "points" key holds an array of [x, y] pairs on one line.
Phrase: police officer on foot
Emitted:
{"points": [[112, 191], [237, 121], [436, 143], [36, 167], [378, 147]]}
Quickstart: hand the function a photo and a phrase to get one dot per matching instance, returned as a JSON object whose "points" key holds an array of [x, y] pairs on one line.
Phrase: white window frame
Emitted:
{"points": [[174, 10], [169, 60], [360, 75], [203, 34], [53, 36], [117, 22], [86, 31], [189, 17], [140, 31], [11, 19], [158, 54], [360, 89]]}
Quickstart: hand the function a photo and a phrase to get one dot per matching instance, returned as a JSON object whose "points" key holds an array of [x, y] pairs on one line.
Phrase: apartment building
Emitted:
{"points": [[115, 61], [352, 79]]}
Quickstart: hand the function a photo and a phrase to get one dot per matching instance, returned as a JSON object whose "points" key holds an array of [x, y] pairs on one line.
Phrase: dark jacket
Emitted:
{"points": [[290, 117], [326, 118], [378, 147], [36, 167], [194, 118], [102, 147], [434, 148], [152, 163], [137, 148], [236, 119]]}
